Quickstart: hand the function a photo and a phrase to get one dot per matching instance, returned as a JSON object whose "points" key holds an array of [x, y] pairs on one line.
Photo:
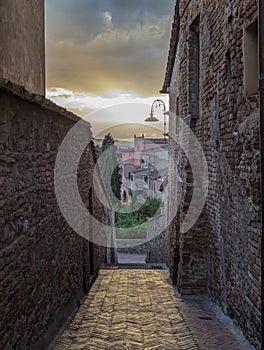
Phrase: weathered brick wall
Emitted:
{"points": [[45, 267], [22, 37], [156, 241], [228, 244]]}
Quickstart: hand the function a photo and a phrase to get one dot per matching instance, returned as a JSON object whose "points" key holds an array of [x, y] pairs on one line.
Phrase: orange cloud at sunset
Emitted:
{"points": [[104, 52]]}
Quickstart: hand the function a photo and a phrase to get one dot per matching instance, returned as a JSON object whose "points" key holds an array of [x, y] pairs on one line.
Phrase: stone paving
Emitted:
{"points": [[126, 258], [137, 309]]}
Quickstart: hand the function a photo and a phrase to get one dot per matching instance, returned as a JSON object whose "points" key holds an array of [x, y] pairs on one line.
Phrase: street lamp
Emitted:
{"points": [[152, 119]]}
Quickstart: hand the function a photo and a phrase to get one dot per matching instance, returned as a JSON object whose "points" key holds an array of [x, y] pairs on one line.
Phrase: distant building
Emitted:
{"points": [[143, 151], [143, 168], [156, 183]]}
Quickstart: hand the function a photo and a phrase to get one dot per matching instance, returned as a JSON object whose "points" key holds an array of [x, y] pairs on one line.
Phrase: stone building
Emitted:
{"points": [[145, 150], [143, 167], [22, 37], [212, 81], [46, 268]]}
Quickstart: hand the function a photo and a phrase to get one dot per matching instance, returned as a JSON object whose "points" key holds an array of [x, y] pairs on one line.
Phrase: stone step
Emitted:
{"points": [[154, 266]]}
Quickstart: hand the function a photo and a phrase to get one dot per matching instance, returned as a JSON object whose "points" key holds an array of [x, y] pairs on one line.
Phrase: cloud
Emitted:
{"points": [[108, 19], [96, 46], [106, 112], [88, 103]]}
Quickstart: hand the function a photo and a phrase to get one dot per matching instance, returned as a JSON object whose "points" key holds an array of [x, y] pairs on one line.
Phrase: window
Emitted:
{"points": [[178, 106], [228, 65], [251, 58], [194, 69]]}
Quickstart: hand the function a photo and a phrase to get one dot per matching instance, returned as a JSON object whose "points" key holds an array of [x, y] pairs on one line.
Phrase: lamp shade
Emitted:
{"points": [[152, 119]]}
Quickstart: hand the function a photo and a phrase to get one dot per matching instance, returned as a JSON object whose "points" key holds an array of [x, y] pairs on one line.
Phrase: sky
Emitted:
{"points": [[102, 53]]}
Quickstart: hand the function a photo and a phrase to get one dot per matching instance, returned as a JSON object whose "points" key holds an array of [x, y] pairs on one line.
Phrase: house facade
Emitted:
{"points": [[145, 151], [212, 80], [143, 168]]}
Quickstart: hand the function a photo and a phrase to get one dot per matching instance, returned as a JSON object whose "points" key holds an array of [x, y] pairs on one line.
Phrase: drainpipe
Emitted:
{"points": [[261, 115]]}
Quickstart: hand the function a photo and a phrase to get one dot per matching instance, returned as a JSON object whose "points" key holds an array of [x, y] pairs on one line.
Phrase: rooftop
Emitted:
{"points": [[172, 50]]}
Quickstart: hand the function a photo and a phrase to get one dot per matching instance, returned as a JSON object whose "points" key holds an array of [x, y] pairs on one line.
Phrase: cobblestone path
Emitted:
{"points": [[137, 309]]}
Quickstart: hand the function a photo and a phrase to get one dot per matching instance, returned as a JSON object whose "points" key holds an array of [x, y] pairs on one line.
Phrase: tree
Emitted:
{"points": [[110, 161], [108, 141], [149, 208]]}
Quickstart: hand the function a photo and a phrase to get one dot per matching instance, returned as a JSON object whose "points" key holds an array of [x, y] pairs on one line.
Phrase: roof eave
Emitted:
{"points": [[172, 50]]}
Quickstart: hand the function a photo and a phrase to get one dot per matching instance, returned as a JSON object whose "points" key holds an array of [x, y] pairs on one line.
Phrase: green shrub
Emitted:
{"points": [[132, 232], [135, 221]]}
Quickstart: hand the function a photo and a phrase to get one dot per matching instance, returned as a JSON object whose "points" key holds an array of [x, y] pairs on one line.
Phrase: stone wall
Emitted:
{"points": [[156, 241], [132, 246], [22, 37], [45, 267], [221, 254]]}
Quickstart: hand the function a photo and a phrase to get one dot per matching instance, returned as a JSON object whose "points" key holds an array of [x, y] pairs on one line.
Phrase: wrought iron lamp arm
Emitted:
{"points": [[158, 104]]}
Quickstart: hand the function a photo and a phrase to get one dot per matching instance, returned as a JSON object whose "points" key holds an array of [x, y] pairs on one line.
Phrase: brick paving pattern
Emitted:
{"points": [[137, 309]]}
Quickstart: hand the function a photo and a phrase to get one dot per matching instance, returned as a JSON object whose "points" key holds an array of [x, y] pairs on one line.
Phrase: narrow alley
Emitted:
{"points": [[138, 309], [131, 175]]}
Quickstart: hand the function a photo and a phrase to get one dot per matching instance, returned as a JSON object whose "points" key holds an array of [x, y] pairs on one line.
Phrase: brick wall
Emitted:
{"points": [[45, 267], [156, 243], [22, 37], [221, 254]]}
